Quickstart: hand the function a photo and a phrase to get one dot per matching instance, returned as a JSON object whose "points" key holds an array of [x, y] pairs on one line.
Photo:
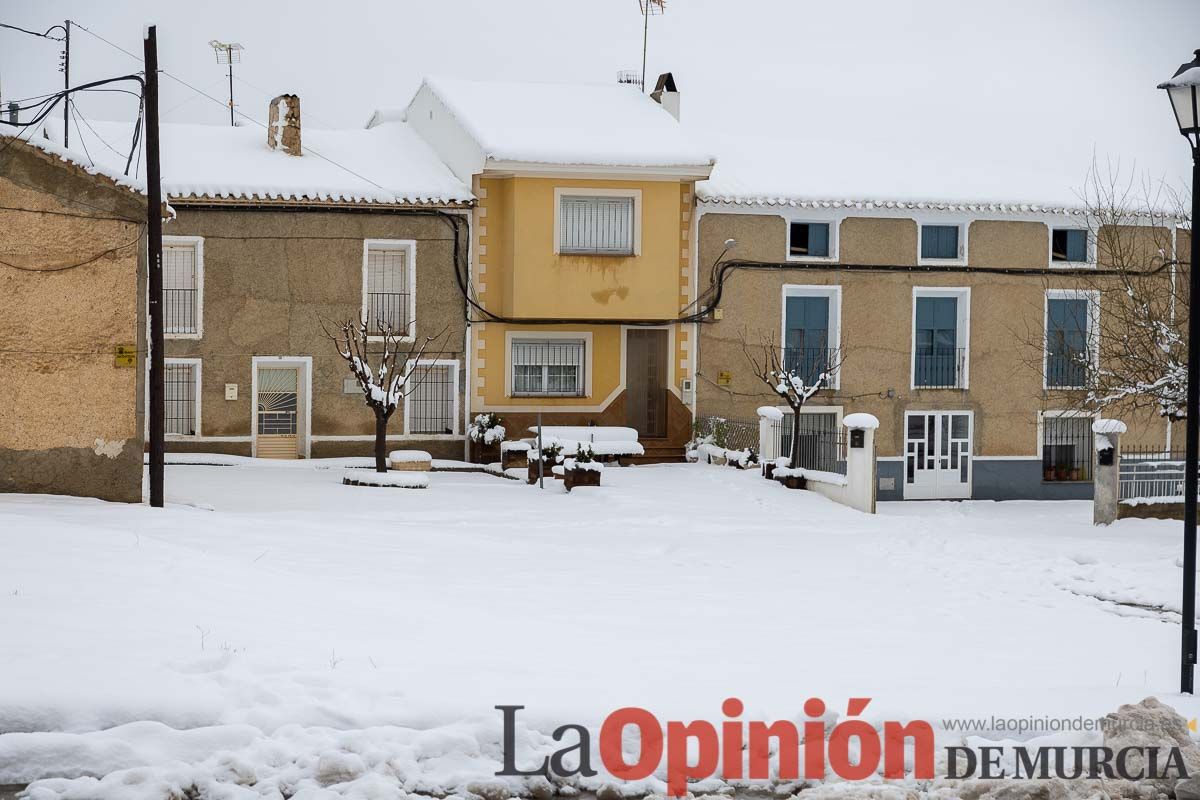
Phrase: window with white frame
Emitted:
{"points": [[941, 242], [183, 285], [940, 337], [809, 240], [548, 367], [388, 297], [181, 391], [1069, 246], [1067, 442], [597, 224], [432, 406], [812, 331], [1070, 337]]}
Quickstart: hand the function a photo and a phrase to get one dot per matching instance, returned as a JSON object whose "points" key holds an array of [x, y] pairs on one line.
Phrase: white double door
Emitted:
{"points": [[937, 455]]}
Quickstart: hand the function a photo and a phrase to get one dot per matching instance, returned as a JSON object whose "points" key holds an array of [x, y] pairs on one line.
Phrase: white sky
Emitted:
{"points": [[1033, 82]]}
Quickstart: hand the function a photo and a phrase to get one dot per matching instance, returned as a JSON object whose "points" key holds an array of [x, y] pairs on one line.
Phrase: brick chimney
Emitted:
{"points": [[666, 95], [283, 124]]}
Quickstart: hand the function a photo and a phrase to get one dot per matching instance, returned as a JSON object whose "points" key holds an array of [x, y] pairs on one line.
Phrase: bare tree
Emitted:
{"points": [[783, 377], [1134, 352], [384, 386]]}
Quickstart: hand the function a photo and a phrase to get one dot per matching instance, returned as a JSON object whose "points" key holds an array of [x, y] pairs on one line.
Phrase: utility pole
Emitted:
{"points": [[154, 233], [67, 84]]}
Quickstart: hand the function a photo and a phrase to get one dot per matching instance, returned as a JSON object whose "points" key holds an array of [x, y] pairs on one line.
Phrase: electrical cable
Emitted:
{"points": [[45, 35]]}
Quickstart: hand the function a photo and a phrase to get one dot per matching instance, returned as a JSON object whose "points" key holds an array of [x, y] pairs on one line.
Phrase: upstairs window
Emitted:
{"points": [[596, 225], [182, 285], [939, 357], [1068, 354], [806, 336], [388, 288], [939, 242], [808, 240], [548, 367], [1069, 245]]}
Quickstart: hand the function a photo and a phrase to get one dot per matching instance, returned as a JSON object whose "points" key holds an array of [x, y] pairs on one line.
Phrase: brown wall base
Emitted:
{"points": [[438, 448], [1150, 511], [74, 471]]}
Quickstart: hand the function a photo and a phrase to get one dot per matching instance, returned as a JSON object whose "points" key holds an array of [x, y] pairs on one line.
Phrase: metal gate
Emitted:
{"points": [[937, 455], [277, 403]]}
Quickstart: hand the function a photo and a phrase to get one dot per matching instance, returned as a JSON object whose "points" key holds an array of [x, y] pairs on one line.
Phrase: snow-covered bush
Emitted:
{"points": [[486, 429], [551, 452]]}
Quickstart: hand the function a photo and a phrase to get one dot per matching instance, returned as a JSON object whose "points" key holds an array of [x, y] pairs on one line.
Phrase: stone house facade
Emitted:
{"points": [[955, 325], [72, 338]]}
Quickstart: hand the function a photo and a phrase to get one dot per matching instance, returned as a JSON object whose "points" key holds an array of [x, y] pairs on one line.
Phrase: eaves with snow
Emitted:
{"points": [[78, 158], [549, 127], [811, 171], [389, 164]]}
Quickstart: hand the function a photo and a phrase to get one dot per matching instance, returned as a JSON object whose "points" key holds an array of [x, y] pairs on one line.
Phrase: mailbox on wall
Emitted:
{"points": [[858, 437]]}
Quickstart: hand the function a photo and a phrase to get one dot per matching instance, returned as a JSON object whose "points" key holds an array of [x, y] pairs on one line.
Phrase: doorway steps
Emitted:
{"points": [[657, 452]]}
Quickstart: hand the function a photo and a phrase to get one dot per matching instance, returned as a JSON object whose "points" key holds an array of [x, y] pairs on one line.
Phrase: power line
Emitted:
{"points": [[223, 104], [45, 35], [65, 267]]}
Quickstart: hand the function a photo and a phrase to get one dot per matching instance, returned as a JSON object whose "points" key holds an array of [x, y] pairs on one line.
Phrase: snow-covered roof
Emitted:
{"points": [[388, 164], [608, 124], [813, 172], [79, 159]]}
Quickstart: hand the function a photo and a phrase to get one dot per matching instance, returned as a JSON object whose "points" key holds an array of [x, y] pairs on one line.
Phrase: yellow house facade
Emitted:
{"points": [[580, 271]]}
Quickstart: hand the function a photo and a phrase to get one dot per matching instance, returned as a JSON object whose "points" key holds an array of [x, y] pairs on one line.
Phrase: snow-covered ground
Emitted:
{"points": [[274, 619]]}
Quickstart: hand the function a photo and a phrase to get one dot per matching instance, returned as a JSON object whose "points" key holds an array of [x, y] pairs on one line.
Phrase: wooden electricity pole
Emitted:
{"points": [[154, 235]]}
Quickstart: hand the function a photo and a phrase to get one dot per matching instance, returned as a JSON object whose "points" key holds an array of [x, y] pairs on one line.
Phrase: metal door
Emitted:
{"points": [[646, 381], [937, 455], [277, 404]]}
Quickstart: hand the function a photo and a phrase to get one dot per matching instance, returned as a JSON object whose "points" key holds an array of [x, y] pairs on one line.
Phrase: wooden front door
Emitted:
{"points": [[646, 381]]}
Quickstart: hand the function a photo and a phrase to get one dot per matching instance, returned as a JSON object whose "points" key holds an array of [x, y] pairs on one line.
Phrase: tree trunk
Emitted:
{"points": [[794, 461], [381, 422]]}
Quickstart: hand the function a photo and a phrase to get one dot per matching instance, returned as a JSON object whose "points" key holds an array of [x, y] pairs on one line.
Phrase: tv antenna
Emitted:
{"points": [[650, 8], [228, 54]]}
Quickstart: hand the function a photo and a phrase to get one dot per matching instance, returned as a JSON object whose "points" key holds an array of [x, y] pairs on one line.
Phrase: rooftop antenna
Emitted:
{"points": [[650, 8], [228, 54]]}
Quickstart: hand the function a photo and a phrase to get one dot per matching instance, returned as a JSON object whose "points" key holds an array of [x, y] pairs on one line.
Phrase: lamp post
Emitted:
{"points": [[1184, 91]]}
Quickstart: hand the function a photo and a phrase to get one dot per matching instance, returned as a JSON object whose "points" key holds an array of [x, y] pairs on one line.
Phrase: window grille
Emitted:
{"points": [[387, 291], [180, 289], [431, 404], [822, 441], [548, 367], [1067, 448], [179, 394], [596, 225]]}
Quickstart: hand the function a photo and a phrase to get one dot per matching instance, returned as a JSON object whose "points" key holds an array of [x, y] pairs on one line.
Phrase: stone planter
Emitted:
{"points": [[768, 470], [793, 482], [580, 477]]}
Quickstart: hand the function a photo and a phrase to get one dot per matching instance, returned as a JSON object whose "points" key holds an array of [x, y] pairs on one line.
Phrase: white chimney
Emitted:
{"points": [[666, 95]]}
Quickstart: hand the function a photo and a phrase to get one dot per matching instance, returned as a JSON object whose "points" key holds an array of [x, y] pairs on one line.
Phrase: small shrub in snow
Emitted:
{"points": [[551, 452], [584, 460], [486, 429]]}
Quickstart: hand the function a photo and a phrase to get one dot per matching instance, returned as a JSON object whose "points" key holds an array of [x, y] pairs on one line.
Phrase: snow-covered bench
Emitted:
{"points": [[608, 442]]}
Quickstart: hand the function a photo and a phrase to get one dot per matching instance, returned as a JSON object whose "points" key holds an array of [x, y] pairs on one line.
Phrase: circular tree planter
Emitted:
{"points": [[390, 480]]}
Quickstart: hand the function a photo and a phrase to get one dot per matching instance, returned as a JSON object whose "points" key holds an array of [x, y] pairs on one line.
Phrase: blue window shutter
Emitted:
{"points": [[818, 239], [1077, 245], [939, 241], [807, 323]]}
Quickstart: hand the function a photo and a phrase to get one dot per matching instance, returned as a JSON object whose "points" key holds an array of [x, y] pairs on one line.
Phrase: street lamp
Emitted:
{"points": [[1183, 89]]}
